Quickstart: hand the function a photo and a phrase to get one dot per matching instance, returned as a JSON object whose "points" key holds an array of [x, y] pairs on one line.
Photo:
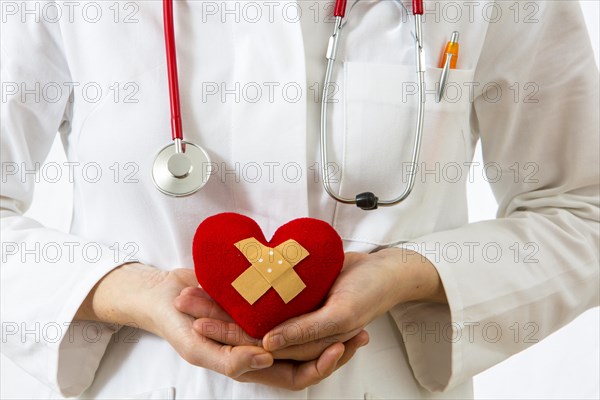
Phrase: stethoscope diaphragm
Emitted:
{"points": [[181, 173]]}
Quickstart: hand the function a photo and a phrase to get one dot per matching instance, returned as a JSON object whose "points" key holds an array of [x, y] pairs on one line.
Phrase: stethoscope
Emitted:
{"points": [[181, 168]]}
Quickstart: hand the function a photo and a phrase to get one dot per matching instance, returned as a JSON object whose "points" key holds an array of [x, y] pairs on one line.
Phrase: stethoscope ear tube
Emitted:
{"points": [[368, 200]]}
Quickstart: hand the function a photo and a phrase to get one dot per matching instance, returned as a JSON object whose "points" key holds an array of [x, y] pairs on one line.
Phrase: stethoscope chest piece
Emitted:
{"points": [[180, 172]]}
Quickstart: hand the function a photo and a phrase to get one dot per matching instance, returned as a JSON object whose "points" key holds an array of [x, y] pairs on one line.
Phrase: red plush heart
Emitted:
{"points": [[218, 263]]}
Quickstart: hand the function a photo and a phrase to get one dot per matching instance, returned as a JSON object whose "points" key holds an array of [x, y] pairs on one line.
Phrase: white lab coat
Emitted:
{"points": [[509, 282]]}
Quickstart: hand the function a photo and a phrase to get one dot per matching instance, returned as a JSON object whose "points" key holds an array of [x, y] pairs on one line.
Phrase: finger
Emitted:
{"points": [[231, 361], [290, 375], [311, 373], [312, 350], [232, 334], [200, 307], [351, 346], [194, 291], [319, 324], [224, 332]]}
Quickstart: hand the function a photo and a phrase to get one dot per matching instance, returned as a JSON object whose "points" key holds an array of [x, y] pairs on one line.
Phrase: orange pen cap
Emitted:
{"points": [[451, 48]]}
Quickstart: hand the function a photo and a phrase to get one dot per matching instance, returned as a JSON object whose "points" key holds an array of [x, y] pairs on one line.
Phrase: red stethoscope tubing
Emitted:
{"points": [[176, 127], [340, 7], [417, 7]]}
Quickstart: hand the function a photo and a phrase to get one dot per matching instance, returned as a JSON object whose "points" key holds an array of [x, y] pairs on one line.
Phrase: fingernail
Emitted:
{"points": [[197, 325], [276, 342], [261, 361], [364, 342]]}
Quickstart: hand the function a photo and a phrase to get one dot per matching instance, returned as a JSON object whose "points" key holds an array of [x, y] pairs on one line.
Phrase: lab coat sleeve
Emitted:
{"points": [[46, 274], [512, 281]]}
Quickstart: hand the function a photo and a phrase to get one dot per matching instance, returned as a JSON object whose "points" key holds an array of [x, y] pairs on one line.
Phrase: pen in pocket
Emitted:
{"points": [[448, 62]]}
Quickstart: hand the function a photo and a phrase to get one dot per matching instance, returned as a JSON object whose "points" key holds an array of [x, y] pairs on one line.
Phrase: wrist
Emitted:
{"points": [[119, 297], [415, 278]]}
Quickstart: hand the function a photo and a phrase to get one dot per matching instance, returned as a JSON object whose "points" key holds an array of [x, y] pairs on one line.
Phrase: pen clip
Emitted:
{"points": [[444, 77], [450, 51]]}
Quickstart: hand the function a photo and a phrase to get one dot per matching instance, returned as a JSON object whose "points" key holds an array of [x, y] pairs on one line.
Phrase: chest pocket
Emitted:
{"points": [[380, 113]]}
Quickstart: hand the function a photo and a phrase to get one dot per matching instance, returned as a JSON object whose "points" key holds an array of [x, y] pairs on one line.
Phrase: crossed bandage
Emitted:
{"points": [[271, 267]]}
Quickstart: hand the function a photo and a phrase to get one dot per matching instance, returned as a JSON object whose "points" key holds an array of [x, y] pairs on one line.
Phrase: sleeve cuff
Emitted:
{"points": [[79, 354], [74, 359], [432, 333]]}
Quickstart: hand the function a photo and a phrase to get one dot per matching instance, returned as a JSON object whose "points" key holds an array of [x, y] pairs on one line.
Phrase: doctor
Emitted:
{"points": [[447, 300]]}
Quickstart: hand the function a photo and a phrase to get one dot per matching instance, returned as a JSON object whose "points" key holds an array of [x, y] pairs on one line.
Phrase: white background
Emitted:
{"points": [[565, 365]]}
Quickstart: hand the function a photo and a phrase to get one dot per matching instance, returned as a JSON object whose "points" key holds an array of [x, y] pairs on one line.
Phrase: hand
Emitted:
{"points": [[141, 296], [368, 286], [321, 358], [219, 327]]}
